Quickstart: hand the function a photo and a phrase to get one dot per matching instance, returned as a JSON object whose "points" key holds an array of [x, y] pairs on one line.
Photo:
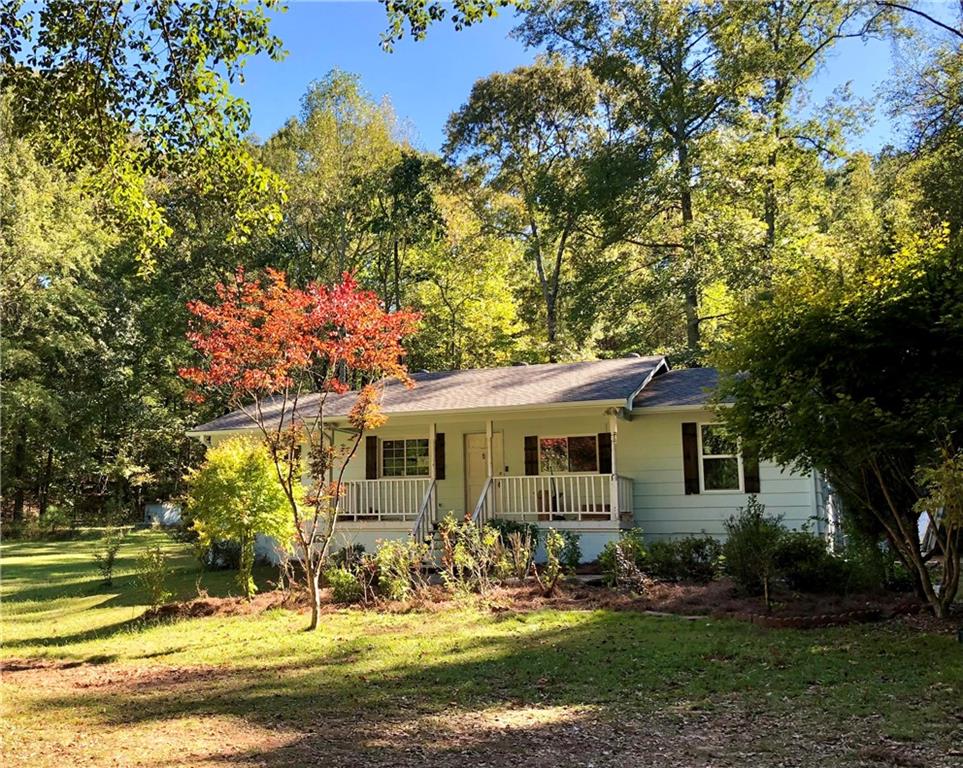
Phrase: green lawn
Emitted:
{"points": [[88, 682]]}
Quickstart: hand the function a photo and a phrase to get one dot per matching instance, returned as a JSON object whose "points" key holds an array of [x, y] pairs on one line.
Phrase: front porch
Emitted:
{"points": [[565, 476], [556, 498]]}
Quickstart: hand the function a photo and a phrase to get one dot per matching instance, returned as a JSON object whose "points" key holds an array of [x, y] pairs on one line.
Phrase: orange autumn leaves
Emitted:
{"points": [[264, 337]]}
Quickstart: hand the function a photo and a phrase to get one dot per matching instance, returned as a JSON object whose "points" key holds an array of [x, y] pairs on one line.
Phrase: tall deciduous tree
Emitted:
{"points": [[676, 87], [465, 281], [277, 352], [781, 44], [337, 158], [533, 131]]}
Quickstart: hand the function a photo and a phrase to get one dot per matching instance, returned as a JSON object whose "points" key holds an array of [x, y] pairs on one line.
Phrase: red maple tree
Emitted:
{"points": [[278, 353]]}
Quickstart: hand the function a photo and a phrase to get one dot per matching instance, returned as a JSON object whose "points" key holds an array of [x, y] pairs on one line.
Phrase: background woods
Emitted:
{"points": [[648, 184]]}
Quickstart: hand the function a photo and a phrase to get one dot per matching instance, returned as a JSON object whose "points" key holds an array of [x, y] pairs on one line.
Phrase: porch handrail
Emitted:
{"points": [[426, 515], [555, 497], [480, 514], [384, 499]]}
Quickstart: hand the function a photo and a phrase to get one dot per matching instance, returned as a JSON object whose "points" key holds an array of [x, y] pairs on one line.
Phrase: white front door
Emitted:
{"points": [[476, 465]]}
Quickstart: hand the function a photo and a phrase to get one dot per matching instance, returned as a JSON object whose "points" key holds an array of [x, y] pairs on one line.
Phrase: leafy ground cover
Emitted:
{"points": [[86, 681]]}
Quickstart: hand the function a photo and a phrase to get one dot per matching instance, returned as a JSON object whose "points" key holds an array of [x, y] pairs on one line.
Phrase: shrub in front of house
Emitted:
{"points": [[629, 549], [347, 556], [345, 586], [551, 572], [399, 565], [506, 528], [571, 553], [516, 553], [693, 558], [806, 564], [750, 549]]}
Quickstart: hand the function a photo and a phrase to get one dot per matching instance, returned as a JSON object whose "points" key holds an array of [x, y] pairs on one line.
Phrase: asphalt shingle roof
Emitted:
{"points": [[487, 388], [683, 386]]}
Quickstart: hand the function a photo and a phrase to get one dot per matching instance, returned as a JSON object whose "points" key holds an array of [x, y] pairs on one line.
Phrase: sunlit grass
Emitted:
{"points": [[266, 670]]}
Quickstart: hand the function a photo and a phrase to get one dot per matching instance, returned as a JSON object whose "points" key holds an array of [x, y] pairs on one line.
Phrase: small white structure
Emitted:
{"points": [[162, 513], [592, 447]]}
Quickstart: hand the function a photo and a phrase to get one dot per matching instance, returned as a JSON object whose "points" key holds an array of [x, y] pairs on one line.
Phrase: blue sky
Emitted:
{"points": [[426, 81]]}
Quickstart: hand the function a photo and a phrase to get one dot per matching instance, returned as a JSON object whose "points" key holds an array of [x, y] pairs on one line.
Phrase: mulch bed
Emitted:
{"points": [[718, 599]]}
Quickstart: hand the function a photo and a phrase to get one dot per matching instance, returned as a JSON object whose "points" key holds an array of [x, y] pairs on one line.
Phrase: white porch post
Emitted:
{"points": [[488, 448], [615, 506], [432, 469]]}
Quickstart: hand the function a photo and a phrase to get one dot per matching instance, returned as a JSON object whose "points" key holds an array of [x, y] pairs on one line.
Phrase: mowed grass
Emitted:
{"points": [[378, 688]]}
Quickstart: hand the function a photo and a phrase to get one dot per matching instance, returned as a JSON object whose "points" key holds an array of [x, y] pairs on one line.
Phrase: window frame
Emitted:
{"points": [[568, 461], [703, 456], [404, 462]]}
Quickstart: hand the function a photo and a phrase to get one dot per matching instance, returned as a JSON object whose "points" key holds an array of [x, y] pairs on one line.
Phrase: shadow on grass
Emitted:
{"points": [[376, 699]]}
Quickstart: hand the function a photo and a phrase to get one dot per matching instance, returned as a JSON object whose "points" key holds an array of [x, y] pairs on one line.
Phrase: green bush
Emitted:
{"points": [[506, 528], [549, 574], [106, 555], [630, 548], [700, 558], [693, 558], [571, 554], [152, 573], [662, 561], [516, 552], [57, 523], [348, 556], [345, 586], [751, 546], [470, 554], [872, 565], [236, 495], [804, 561], [399, 565]]}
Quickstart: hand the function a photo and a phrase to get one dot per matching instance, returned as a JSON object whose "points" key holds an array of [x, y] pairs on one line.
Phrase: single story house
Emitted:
{"points": [[593, 447]]}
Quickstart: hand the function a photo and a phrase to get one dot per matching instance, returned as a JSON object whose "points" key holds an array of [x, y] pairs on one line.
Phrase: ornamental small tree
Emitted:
{"points": [[235, 495], [279, 353]]}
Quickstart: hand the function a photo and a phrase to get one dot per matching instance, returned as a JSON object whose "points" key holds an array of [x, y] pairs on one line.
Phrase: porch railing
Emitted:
{"points": [[422, 529], [385, 499], [547, 498]]}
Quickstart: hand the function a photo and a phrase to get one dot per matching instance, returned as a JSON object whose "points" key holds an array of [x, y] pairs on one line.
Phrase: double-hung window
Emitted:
{"points": [[578, 453], [719, 459], [404, 458]]}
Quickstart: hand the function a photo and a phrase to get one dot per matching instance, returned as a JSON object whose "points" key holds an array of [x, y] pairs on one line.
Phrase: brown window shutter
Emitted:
{"points": [[750, 469], [440, 456], [605, 453], [531, 454], [690, 456], [371, 457]]}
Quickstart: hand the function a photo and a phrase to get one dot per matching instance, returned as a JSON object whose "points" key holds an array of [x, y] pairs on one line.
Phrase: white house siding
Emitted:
{"points": [[650, 450]]}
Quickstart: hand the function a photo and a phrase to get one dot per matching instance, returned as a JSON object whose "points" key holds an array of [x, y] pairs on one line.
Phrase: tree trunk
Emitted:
{"points": [[692, 332], [551, 326], [314, 582], [19, 469], [771, 204], [43, 487], [397, 274]]}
